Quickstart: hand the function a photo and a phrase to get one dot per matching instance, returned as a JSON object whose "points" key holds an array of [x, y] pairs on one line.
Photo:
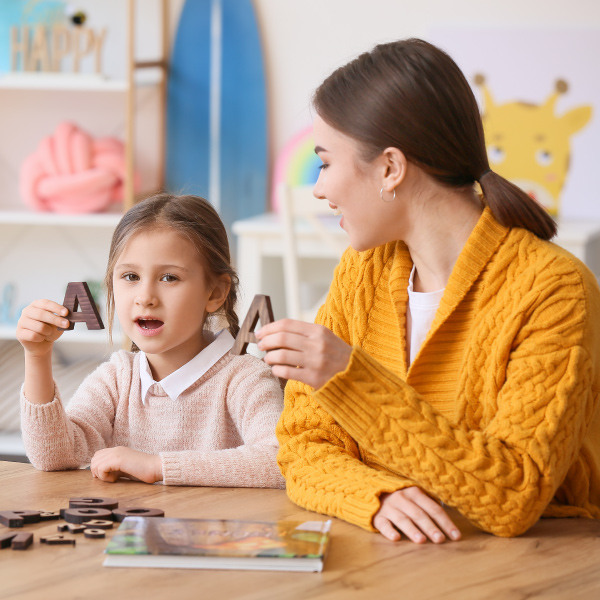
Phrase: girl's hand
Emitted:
{"points": [[306, 352], [110, 464], [37, 329], [412, 512]]}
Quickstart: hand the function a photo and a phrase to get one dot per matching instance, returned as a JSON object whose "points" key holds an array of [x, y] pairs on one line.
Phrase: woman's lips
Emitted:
{"points": [[149, 327]]}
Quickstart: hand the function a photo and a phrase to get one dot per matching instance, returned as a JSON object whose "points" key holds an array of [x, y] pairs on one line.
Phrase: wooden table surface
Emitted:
{"points": [[558, 558]]}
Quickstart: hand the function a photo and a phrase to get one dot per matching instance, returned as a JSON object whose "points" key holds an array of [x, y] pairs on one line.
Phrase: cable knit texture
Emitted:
{"points": [[498, 414], [219, 432]]}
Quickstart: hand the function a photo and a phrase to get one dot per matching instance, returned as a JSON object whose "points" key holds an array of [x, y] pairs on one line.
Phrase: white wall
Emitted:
{"points": [[304, 40]]}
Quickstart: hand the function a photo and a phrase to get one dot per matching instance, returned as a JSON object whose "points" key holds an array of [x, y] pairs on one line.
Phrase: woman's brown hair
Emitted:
{"points": [[195, 219], [412, 96]]}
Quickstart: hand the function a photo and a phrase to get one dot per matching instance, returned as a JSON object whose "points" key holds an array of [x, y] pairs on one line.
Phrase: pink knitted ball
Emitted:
{"points": [[71, 172]]}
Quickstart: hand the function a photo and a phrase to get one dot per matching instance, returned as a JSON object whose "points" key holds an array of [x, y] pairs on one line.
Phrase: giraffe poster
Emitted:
{"points": [[539, 96]]}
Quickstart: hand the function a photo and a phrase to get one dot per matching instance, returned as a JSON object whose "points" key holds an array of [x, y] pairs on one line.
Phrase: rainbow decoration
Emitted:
{"points": [[297, 164]]}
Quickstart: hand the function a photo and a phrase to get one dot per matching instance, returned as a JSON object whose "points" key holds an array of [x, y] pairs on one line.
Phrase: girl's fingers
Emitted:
{"points": [[39, 327], [44, 316], [50, 306]]}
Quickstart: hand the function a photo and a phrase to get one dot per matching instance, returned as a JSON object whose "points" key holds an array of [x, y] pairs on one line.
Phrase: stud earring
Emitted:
{"points": [[381, 195]]}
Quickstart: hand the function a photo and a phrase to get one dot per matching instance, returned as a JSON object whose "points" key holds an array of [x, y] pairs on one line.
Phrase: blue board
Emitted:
{"points": [[216, 108]]}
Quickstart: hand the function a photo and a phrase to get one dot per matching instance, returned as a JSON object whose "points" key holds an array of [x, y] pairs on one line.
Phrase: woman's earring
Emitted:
{"points": [[381, 195]]}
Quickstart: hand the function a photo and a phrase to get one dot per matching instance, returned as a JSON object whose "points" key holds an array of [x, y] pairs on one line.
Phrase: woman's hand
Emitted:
{"points": [[110, 464], [412, 512], [303, 351], [37, 329]]}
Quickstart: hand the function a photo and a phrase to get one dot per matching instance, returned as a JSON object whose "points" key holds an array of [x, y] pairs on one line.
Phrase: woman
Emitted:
{"points": [[455, 360]]}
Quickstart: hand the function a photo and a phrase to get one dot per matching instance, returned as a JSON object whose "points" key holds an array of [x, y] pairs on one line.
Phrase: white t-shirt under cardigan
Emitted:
{"points": [[422, 307], [219, 431]]}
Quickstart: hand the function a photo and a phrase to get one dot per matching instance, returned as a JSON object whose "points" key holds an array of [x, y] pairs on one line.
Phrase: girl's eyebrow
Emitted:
{"points": [[134, 266], [319, 149]]}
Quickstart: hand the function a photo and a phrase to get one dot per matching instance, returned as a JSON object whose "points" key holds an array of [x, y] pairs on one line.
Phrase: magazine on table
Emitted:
{"points": [[219, 544]]}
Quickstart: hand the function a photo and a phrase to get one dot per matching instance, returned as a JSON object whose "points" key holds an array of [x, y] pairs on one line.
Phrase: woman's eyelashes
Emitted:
{"points": [[323, 166]]}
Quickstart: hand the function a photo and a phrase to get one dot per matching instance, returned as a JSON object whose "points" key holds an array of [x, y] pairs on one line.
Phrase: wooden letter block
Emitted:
{"points": [[6, 539], [17, 518], [81, 515], [259, 309], [57, 539], [71, 528], [78, 294], [48, 515], [22, 541], [120, 514], [108, 503], [95, 534], [99, 524]]}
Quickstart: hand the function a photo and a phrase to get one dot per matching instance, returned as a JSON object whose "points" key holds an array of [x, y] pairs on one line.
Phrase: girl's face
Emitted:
{"points": [[162, 295], [352, 187]]}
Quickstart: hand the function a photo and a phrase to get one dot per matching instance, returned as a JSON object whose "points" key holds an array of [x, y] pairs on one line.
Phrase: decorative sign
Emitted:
{"points": [[43, 48]]}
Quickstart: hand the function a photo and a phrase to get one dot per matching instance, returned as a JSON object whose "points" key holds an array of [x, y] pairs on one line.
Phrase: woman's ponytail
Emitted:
{"points": [[512, 207]]}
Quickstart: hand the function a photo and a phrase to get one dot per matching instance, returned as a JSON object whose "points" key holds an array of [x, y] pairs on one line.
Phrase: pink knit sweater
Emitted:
{"points": [[219, 432]]}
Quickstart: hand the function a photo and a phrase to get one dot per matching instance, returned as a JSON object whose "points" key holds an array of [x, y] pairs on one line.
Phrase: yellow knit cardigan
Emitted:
{"points": [[497, 415]]}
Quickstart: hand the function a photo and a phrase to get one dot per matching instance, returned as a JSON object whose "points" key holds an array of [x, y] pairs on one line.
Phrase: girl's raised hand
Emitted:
{"points": [[412, 512], [302, 351], [37, 329]]}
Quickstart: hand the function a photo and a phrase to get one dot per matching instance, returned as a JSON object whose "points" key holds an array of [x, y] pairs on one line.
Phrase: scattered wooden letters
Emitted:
{"points": [[90, 516]]}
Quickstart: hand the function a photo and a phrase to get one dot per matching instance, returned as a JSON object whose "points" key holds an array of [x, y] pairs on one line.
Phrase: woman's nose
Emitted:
{"points": [[318, 189]]}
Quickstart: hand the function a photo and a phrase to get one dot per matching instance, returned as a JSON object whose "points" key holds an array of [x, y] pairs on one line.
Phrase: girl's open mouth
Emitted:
{"points": [[149, 327]]}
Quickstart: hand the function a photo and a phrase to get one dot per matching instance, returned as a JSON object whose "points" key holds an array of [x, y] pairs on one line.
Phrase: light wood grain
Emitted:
{"points": [[557, 559]]}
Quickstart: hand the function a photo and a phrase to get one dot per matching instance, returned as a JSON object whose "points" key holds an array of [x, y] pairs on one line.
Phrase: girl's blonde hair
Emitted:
{"points": [[194, 218]]}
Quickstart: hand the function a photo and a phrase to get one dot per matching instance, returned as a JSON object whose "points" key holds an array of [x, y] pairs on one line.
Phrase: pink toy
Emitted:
{"points": [[71, 172]]}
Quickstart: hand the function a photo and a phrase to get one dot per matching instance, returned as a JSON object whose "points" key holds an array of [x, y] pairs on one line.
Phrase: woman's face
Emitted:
{"points": [[352, 187]]}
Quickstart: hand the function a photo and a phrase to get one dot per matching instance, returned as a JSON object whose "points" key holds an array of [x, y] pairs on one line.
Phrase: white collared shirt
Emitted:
{"points": [[181, 379], [422, 307]]}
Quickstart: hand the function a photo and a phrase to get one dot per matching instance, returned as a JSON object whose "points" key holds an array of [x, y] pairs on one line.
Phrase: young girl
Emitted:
{"points": [[179, 408]]}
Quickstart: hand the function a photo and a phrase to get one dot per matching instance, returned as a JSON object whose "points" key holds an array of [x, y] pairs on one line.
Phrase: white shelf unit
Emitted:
{"points": [[41, 252], [75, 82], [53, 219]]}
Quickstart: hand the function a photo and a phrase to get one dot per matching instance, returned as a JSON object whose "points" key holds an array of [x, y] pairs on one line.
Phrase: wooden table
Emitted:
{"points": [[556, 559]]}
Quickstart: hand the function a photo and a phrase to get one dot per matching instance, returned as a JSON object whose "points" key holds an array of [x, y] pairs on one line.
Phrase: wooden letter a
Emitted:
{"points": [[78, 294], [259, 309]]}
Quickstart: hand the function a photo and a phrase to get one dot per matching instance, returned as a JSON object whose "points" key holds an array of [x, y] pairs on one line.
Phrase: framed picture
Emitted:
{"points": [[539, 94]]}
